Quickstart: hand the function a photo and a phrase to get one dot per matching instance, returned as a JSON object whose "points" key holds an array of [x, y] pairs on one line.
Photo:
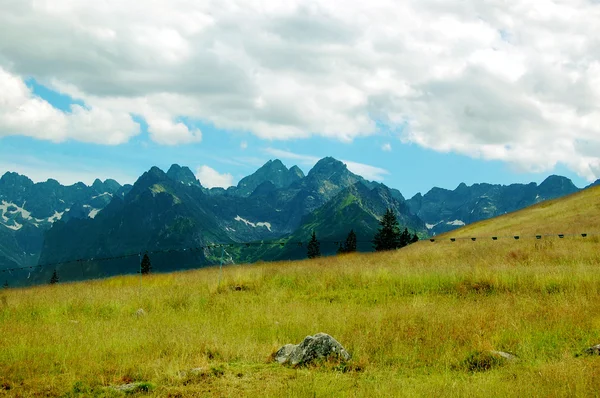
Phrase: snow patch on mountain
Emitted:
{"points": [[93, 213], [4, 208], [57, 216], [102, 194], [457, 223], [254, 225], [15, 227], [431, 226]]}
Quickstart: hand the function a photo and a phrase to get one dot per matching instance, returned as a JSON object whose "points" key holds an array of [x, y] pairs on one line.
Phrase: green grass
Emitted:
{"points": [[418, 322]]}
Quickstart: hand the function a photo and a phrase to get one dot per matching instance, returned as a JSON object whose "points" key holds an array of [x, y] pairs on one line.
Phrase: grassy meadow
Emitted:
{"points": [[411, 319]]}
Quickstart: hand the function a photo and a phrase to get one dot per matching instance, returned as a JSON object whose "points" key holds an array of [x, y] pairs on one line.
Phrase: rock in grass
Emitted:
{"points": [[593, 350], [481, 361], [140, 312], [134, 387], [506, 355], [319, 347]]}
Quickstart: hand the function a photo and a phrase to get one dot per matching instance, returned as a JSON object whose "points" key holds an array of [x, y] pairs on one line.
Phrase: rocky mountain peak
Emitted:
{"points": [[149, 178], [326, 165], [15, 178], [109, 185], [273, 171], [295, 171], [554, 186], [183, 175]]}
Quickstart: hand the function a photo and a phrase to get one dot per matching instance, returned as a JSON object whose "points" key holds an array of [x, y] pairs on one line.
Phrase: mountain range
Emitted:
{"points": [[51, 223]]}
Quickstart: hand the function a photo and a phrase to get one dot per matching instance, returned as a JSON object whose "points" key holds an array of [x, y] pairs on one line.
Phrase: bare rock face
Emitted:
{"points": [[321, 346]]}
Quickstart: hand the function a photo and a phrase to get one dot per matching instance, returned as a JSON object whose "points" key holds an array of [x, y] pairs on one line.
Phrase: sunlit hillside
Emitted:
{"points": [[413, 321]]}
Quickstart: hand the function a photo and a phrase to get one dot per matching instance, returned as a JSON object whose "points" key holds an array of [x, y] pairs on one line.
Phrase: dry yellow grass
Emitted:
{"points": [[410, 318]]}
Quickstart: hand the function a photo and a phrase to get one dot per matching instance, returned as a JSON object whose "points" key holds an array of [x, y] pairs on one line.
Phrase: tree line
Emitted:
{"points": [[388, 237]]}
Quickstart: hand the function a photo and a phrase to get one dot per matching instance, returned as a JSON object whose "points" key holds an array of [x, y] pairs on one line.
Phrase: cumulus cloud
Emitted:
{"points": [[387, 147], [211, 178], [22, 113], [514, 81]]}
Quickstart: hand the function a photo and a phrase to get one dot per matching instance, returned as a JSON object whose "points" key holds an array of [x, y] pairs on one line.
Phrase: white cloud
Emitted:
{"points": [[243, 145], [514, 81], [364, 170], [164, 131], [211, 178], [387, 147], [22, 113], [367, 171]]}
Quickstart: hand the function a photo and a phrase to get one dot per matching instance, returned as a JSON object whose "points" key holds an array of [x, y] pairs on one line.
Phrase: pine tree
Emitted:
{"points": [[340, 249], [314, 247], [414, 238], [146, 266], [388, 235], [54, 278], [405, 238], [5, 284], [349, 246]]}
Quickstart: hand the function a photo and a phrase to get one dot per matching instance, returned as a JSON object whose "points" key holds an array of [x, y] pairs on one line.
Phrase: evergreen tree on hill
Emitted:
{"points": [[414, 238], [349, 246], [54, 278], [314, 247], [405, 238], [388, 236], [146, 266]]}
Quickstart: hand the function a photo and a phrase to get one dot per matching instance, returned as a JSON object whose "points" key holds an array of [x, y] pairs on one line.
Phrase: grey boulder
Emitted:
{"points": [[593, 350], [321, 346]]}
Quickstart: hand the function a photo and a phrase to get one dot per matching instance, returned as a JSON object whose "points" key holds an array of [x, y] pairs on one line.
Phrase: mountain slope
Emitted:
{"points": [[574, 214], [444, 210], [355, 208], [28, 209]]}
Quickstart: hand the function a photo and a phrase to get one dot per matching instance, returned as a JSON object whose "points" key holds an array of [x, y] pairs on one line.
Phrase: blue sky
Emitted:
{"points": [[414, 94]]}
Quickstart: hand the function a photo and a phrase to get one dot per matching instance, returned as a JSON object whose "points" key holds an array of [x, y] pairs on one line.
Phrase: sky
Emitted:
{"points": [[411, 93]]}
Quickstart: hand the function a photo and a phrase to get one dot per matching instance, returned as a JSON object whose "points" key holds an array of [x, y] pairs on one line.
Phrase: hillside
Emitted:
{"points": [[417, 321], [444, 210], [574, 214]]}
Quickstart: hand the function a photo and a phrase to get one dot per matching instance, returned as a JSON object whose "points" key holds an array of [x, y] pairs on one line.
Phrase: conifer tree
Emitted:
{"points": [[146, 266], [349, 246], [414, 238], [54, 278], [388, 235], [5, 284], [405, 238], [314, 247]]}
